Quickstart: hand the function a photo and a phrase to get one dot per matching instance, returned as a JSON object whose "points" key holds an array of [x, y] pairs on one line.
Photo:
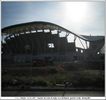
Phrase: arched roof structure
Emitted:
{"points": [[38, 25], [31, 38]]}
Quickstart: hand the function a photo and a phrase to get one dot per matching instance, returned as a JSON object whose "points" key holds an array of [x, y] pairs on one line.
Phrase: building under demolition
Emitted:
{"points": [[24, 43]]}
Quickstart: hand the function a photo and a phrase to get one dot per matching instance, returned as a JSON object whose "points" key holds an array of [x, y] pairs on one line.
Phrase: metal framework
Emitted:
{"points": [[43, 38], [34, 26]]}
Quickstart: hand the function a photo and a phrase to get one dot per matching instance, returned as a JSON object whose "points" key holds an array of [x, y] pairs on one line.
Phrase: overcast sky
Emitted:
{"points": [[79, 17]]}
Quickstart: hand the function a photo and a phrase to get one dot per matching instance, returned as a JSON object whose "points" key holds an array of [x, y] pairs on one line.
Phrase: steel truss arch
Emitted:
{"points": [[38, 25]]}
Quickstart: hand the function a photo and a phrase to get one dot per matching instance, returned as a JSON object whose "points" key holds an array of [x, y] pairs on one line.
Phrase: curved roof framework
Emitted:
{"points": [[38, 25], [39, 43]]}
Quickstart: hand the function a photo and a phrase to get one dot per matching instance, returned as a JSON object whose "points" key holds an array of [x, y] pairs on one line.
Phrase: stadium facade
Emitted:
{"points": [[26, 42]]}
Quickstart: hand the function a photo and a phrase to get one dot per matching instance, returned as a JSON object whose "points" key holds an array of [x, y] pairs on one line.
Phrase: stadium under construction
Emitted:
{"points": [[45, 41]]}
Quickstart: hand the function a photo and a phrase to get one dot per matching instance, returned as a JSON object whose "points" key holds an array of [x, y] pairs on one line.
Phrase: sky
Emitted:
{"points": [[86, 18]]}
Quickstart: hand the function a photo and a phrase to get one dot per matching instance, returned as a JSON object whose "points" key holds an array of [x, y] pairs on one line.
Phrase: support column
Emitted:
{"points": [[81, 43], [75, 38], [86, 45]]}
